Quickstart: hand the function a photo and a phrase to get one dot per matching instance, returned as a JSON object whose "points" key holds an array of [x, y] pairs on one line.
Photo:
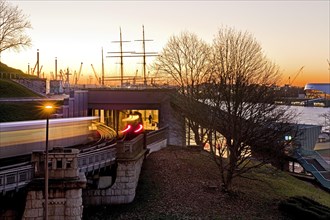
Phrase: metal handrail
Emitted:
{"points": [[19, 175], [312, 169], [16, 177], [96, 159], [315, 155]]}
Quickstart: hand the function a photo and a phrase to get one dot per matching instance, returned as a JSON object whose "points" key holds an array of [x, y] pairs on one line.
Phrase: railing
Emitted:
{"points": [[315, 155], [96, 158], [18, 176], [15, 177], [312, 169], [157, 135], [131, 149]]}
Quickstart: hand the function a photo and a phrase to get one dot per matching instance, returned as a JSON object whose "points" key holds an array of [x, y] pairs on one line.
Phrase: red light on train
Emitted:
{"points": [[127, 128], [139, 128]]}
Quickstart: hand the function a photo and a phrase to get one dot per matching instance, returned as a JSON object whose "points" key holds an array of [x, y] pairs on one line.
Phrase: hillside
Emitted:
{"points": [[180, 183], [7, 69], [16, 111], [10, 89]]}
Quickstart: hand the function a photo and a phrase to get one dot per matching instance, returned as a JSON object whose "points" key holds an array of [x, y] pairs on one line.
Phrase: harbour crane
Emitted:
{"points": [[34, 68], [98, 79], [65, 76], [295, 77], [77, 75]]}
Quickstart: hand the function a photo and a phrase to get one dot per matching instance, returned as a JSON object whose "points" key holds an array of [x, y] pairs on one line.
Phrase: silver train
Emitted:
{"points": [[20, 138]]}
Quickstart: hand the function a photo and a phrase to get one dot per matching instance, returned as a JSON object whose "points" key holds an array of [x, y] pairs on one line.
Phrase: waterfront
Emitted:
{"points": [[310, 115]]}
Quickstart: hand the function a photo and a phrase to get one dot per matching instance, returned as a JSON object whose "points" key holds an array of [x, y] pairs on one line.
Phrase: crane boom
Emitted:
{"points": [[80, 69], [95, 74], [78, 74], [295, 77], [300, 70], [34, 68]]}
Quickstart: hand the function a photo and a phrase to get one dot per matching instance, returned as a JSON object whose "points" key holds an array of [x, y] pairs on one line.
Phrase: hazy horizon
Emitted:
{"points": [[292, 33]]}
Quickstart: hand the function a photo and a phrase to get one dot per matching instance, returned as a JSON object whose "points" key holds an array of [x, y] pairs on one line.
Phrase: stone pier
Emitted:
{"points": [[130, 156], [65, 187], [123, 190]]}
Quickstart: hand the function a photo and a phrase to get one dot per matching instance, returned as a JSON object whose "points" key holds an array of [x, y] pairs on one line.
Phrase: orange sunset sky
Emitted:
{"points": [[292, 33]]}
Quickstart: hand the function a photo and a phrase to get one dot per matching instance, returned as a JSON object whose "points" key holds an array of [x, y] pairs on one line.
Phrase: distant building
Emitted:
{"points": [[56, 87], [317, 90]]}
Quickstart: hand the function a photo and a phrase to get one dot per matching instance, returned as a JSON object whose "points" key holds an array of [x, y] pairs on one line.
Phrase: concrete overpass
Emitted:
{"points": [[110, 103]]}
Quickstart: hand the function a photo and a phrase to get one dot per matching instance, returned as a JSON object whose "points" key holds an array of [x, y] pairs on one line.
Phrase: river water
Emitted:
{"points": [[311, 115], [306, 115]]}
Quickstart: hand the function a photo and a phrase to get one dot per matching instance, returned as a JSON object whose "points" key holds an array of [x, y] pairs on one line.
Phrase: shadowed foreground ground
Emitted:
{"points": [[178, 183]]}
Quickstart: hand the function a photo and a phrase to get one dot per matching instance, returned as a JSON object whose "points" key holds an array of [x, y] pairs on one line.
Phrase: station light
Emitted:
{"points": [[288, 137]]}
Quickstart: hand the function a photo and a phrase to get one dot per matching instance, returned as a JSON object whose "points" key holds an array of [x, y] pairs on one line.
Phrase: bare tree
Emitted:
{"points": [[228, 90], [185, 59], [13, 24], [326, 123], [245, 120]]}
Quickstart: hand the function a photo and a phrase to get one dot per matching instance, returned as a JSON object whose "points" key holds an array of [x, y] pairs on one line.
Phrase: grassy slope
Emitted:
{"points": [[6, 69], [24, 111], [180, 184], [10, 89], [18, 111], [280, 185]]}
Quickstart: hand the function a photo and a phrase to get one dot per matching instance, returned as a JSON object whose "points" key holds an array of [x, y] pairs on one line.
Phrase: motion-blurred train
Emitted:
{"points": [[20, 138], [133, 126]]}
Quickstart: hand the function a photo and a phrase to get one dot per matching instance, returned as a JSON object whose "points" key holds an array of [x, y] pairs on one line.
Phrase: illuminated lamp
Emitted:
{"points": [[288, 137], [139, 128], [48, 110]]}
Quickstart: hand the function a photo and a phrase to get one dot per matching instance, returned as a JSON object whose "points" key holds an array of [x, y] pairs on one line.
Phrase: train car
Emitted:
{"points": [[133, 126], [20, 138]]}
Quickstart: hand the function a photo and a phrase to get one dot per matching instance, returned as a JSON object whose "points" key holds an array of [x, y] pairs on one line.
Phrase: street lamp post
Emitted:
{"points": [[48, 109]]}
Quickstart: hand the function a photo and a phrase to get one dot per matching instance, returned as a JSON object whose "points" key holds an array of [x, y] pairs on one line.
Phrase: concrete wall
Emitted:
{"points": [[157, 146], [37, 85], [56, 87], [76, 105], [308, 135]]}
